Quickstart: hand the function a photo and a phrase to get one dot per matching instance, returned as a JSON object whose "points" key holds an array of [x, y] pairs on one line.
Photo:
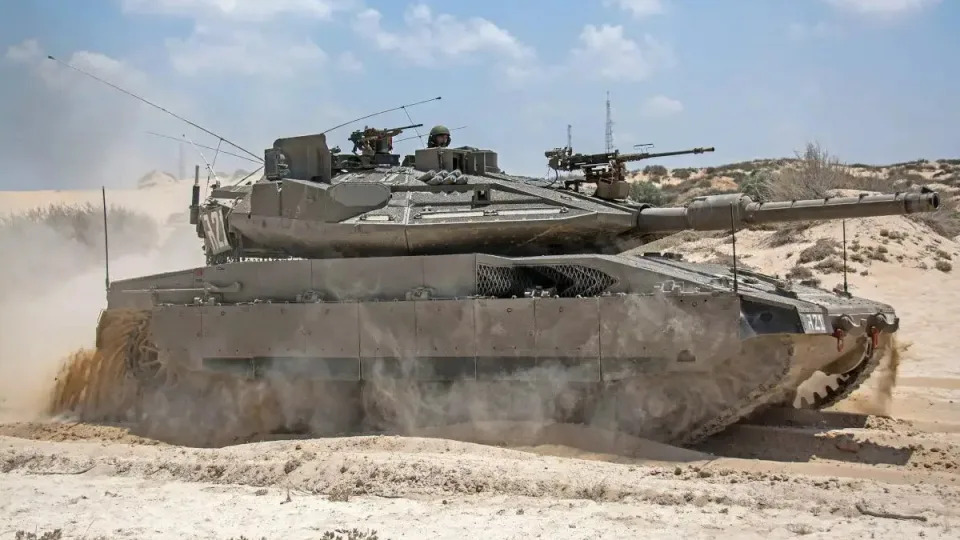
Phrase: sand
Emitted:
{"points": [[783, 475]]}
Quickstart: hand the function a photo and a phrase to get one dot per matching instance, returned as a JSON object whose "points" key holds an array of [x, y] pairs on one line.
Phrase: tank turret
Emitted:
{"points": [[457, 200]]}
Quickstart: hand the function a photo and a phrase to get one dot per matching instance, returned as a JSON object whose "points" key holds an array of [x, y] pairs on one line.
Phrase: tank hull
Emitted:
{"points": [[652, 346]]}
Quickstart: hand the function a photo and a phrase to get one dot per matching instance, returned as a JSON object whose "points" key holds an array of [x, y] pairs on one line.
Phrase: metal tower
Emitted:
{"points": [[609, 136]]}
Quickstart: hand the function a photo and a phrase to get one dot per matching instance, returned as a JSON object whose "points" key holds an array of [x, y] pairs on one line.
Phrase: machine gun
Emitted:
{"points": [[372, 141], [606, 169]]}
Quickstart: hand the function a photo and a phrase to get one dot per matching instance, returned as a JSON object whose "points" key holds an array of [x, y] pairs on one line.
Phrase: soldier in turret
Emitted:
{"points": [[439, 137]]}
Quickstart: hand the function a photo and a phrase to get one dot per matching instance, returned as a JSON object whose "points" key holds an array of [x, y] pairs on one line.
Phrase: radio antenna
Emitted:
{"points": [[382, 112], [210, 170], [207, 147], [417, 136], [155, 106]]}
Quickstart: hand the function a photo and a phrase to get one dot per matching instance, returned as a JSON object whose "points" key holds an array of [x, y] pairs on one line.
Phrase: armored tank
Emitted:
{"points": [[382, 294]]}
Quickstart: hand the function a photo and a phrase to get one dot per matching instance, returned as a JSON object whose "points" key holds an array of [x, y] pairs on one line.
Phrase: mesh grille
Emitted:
{"points": [[569, 280]]}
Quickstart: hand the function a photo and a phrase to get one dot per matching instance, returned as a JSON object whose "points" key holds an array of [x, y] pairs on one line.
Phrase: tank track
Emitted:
{"points": [[772, 392], [768, 393], [689, 423], [848, 383]]}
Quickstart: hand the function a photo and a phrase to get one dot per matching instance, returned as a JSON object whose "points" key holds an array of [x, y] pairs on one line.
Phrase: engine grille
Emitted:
{"points": [[569, 280]]}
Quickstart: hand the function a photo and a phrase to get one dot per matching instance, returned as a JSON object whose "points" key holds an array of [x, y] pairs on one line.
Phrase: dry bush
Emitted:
{"points": [[647, 192], [59, 241], [812, 176], [350, 534], [656, 171], [787, 234], [945, 221], [830, 264], [55, 534], [727, 260], [758, 185], [943, 266], [83, 224], [800, 272], [822, 249]]}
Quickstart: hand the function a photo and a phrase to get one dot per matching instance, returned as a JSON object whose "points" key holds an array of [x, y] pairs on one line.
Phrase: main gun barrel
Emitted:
{"points": [[721, 212]]}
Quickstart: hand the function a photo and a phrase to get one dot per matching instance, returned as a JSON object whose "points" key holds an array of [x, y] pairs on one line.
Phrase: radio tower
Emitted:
{"points": [[609, 137]]}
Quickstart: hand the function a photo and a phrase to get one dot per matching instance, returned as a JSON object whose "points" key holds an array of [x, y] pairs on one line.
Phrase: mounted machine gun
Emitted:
{"points": [[606, 169], [374, 147]]}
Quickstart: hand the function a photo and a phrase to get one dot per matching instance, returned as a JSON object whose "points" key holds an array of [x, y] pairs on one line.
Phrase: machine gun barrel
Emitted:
{"points": [[401, 128], [563, 158], [637, 156], [712, 212]]}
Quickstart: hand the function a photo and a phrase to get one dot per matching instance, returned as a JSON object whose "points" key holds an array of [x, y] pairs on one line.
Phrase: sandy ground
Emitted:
{"points": [[783, 475]]}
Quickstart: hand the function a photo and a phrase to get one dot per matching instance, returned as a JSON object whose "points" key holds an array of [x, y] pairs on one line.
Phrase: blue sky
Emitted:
{"points": [[872, 80]]}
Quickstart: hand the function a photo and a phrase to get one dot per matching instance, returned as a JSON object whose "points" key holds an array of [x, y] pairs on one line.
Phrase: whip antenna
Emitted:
{"points": [[382, 112], [106, 241], [156, 106], [207, 147], [415, 136]]}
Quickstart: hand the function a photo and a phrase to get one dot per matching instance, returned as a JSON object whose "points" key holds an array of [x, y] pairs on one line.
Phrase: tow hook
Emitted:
{"points": [[839, 334]]}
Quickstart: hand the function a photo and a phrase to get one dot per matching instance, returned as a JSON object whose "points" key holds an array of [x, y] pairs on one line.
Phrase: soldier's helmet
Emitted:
{"points": [[435, 133]]}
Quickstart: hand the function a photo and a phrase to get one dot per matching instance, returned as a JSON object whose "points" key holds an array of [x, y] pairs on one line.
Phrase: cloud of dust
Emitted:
{"points": [[52, 288], [877, 398]]}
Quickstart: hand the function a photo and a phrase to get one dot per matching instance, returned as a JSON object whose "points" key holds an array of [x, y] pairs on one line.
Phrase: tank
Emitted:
{"points": [[375, 294]]}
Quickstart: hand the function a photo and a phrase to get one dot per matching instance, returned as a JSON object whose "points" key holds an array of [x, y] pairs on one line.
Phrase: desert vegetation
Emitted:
{"points": [[811, 174], [58, 241]]}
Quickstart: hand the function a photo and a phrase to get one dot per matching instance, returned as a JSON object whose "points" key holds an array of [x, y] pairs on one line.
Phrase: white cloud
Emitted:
{"points": [[57, 76], [429, 39], [660, 106], [612, 55], [347, 61], [26, 52], [229, 50], [250, 10], [882, 8], [73, 130], [639, 8], [800, 31]]}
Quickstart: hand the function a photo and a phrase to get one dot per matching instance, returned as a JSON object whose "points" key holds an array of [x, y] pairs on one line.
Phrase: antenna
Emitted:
{"points": [[609, 134], [182, 165], [415, 130], [155, 106], [416, 136], [203, 146], [381, 112], [106, 242], [209, 168], [845, 291], [733, 228]]}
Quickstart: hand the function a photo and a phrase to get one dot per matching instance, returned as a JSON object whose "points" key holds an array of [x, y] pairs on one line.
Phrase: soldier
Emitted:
{"points": [[439, 137]]}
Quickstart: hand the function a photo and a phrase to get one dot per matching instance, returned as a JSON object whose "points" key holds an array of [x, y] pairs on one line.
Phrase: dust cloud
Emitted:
{"points": [[877, 397], [52, 288]]}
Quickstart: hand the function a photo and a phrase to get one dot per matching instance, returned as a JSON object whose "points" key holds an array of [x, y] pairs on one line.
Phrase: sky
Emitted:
{"points": [[873, 81]]}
